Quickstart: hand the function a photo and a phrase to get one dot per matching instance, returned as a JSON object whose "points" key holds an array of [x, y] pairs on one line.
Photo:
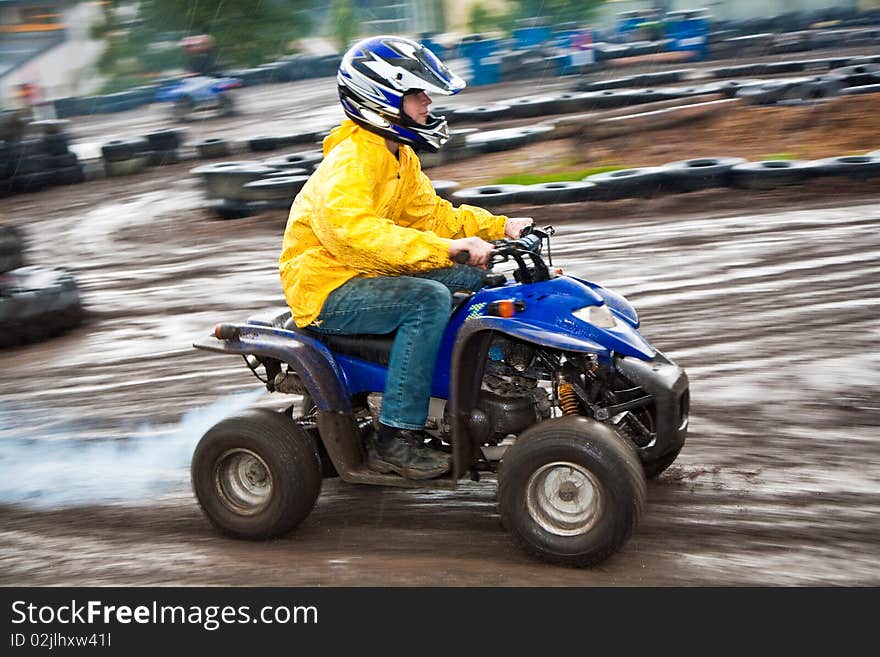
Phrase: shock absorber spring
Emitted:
{"points": [[568, 399]]}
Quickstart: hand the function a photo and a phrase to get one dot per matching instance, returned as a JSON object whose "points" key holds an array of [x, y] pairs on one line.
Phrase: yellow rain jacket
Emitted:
{"points": [[366, 213]]}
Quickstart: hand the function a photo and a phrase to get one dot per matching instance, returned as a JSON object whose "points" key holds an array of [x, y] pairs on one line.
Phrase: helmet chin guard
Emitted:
{"points": [[375, 74]]}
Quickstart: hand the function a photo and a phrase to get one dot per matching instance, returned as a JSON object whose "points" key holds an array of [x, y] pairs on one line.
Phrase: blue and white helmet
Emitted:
{"points": [[374, 75]]}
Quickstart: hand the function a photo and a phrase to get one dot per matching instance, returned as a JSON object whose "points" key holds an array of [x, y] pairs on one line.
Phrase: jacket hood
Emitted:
{"points": [[339, 134]]}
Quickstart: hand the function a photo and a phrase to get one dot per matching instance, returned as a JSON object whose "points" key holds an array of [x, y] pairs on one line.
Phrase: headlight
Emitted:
{"points": [[598, 316]]}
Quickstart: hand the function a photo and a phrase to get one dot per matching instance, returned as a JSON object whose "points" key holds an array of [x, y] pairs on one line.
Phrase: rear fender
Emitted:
{"points": [[311, 360]]}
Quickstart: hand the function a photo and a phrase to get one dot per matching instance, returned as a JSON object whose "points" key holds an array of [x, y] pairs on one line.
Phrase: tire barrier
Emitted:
{"points": [[286, 172], [124, 157], [571, 103], [211, 148], [233, 209], [274, 188], [227, 209], [300, 138], [858, 167], [605, 85], [612, 98], [226, 180], [489, 196], [304, 159], [492, 141], [35, 163], [37, 303], [445, 188], [631, 81], [161, 158], [134, 164], [730, 88], [774, 68], [533, 106], [457, 139], [626, 183], [698, 173], [570, 191], [770, 174], [117, 150], [11, 248], [262, 143], [864, 89], [766, 93], [70, 175], [481, 113], [858, 75], [165, 140], [820, 87]]}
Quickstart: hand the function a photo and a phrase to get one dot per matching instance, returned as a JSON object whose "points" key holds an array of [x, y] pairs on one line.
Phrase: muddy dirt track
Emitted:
{"points": [[770, 302]]}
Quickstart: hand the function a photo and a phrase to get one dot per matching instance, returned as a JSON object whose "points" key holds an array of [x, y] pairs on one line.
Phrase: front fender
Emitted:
{"points": [[469, 362], [311, 360], [530, 333]]}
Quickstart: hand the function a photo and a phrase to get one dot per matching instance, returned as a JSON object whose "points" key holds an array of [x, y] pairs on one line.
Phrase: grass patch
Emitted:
{"points": [[535, 178], [780, 156]]}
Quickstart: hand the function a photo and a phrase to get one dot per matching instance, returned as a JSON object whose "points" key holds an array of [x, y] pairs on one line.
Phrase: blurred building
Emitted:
{"points": [[45, 44], [729, 9], [420, 16]]}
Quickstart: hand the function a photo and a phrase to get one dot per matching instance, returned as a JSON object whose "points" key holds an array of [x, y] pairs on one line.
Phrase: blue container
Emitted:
{"points": [[690, 34], [434, 47], [529, 37], [577, 50], [485, 62]]}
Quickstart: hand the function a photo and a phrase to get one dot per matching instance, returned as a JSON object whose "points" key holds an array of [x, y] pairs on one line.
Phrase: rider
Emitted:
{"points": [[368, 244]]}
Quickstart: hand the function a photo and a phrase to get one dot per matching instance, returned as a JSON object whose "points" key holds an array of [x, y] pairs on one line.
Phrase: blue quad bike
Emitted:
{"points": [[197, 93], [542, 378]]}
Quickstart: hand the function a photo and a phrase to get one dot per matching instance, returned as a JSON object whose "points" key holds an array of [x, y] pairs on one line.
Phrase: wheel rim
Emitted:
{"points": [[564, 498], [243, 481]]}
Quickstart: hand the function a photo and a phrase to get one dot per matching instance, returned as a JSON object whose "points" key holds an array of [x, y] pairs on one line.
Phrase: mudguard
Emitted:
{"points": [[311, 360]]}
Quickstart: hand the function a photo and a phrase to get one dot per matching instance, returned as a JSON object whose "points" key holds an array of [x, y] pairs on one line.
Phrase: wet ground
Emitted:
{"points": [[769, 301]]}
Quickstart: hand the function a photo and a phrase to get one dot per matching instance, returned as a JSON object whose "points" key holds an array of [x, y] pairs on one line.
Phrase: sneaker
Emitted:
{"points": [[407, 455]]}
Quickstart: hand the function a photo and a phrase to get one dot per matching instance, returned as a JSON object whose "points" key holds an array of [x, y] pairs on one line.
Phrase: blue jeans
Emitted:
{"points": [[417, 307]]}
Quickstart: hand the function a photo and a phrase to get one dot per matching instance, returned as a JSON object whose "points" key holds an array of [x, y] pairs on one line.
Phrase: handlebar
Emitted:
{"points": [[527, 244]]}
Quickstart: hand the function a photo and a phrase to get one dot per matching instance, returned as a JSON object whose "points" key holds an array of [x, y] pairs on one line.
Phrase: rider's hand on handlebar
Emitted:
{"points": [[514, 225], [479, 251]]}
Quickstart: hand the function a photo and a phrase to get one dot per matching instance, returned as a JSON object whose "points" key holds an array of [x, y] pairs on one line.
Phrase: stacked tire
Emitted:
{"points": [[34, 163], [123, 157], [241, 189], [35, 302], [11, 248]]}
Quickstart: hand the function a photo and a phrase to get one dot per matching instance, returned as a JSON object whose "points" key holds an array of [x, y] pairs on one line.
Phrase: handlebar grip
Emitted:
{"points": [[461, 257]]}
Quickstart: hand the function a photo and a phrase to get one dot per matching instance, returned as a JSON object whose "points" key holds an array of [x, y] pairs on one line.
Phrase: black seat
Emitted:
{"points": [[369, 347]]}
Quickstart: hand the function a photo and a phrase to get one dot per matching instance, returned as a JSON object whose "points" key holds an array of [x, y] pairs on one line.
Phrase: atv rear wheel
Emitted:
{"points": [[183, 107], [256, 475], [571, 491], [226, 105]]}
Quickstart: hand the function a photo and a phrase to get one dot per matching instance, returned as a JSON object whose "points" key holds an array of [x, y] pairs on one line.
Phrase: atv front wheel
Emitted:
{"points": [[571, 491], [256, 475]]}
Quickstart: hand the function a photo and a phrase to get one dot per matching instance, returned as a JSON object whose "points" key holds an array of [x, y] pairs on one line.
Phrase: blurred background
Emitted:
{"points": [[715, 162], [67, 48]]}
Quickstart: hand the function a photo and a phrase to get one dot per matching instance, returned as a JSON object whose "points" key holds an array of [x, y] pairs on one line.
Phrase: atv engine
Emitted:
{"points": [[507, 405]]}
